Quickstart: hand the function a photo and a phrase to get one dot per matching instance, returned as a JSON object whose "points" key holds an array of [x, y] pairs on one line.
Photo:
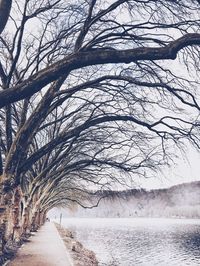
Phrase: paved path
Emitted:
{"points": [[45, 248]]}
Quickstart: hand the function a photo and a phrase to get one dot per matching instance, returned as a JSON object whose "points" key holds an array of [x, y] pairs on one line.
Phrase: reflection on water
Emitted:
{"points": [[146, 242]]}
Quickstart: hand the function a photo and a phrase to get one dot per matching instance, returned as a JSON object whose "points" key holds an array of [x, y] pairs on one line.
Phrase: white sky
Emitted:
{"points": [[187, 169]]}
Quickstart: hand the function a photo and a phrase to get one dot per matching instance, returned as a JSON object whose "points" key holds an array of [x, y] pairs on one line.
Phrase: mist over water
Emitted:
{"points": [[181, 201], [173, 240], [139, 241]]}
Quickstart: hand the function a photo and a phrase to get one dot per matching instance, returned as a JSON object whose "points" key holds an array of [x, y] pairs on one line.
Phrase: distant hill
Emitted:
{"points": [[178, 201]]}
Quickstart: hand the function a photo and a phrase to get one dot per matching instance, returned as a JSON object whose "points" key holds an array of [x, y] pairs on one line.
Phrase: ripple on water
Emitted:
{"points": [[142, 242]]}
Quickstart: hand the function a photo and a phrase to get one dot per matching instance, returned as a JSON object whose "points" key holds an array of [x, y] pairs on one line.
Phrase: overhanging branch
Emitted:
{"points": [[94, 57]]}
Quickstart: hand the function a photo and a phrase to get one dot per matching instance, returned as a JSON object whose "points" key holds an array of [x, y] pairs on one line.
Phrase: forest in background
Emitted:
{"points": [[180, 201]]}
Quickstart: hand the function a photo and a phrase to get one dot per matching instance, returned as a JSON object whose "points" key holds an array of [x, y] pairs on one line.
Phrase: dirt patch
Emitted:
{"points": [[81, 256]]}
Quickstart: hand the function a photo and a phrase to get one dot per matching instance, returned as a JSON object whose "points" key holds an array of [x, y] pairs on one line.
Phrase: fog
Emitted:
{"points": [[181, 201]]}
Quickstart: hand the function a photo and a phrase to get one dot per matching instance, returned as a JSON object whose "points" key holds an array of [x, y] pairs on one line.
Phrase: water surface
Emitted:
{"points": [[145, 242]]}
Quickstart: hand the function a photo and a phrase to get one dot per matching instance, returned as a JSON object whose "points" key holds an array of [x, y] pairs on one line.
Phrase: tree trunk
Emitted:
{"points": [[35, 221], [42, 217], [2, 229], [5, 6], [10, 219], [17, 215], [26, 221]]}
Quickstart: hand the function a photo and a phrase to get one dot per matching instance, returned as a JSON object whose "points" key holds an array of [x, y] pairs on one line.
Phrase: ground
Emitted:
{"points": [[45, 248]]}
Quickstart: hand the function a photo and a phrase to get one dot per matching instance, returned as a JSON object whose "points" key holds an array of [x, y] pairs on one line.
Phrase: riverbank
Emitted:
{"points": [[125, 241], [80, 255]]}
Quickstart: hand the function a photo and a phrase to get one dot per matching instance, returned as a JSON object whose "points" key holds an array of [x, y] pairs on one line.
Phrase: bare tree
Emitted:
{"points": [[88, 87], [81, 164]]}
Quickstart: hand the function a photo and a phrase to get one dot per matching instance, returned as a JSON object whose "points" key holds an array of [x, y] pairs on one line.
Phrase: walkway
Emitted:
{"points": [[45, 248]]}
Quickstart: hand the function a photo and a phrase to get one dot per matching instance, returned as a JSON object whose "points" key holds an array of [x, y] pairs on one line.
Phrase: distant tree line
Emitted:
{"points": [[180, 201]]}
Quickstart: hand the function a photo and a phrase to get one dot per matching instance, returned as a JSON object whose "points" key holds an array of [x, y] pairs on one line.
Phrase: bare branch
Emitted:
{"points": [[98, 56]]}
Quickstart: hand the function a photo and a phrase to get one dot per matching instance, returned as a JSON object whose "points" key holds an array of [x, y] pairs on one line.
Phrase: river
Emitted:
{"points": [[139, 241]]}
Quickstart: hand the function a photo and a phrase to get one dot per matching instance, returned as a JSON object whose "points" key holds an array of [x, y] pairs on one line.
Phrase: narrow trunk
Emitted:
{"points": [[35, 220], [42, 217], [17, 215], [26, 221], [2, 229]]}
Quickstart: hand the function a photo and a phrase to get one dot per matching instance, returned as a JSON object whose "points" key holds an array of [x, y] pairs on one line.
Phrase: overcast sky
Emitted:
{"points": [[187, 169]]}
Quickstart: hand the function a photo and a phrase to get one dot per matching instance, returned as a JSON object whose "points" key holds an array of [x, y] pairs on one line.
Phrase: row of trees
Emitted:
{"points": [[90, 98]]}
